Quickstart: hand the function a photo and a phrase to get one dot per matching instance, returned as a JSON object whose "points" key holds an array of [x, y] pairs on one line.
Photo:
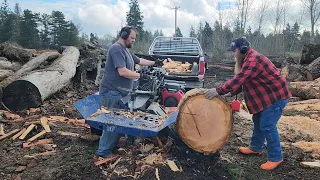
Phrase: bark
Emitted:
{"points": [[306, 89], [314, 68], [309, 53], [4, 73], [32, 89], [29, 66], [203, 125], [15, 53], [5, 64]]}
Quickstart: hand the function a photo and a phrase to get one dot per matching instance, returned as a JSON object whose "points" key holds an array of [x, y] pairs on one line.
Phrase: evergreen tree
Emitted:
{"points": [[6, 22], [58, 27], [45, 31], [192, 32], [16, 23], [134, 17], [161, 33], [178, 33], [207, 38], [29, 33]]}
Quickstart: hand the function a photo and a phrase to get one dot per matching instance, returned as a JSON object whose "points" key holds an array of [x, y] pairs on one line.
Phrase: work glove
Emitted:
{"points": [[159, 62], [210, 93], [144, 78]]}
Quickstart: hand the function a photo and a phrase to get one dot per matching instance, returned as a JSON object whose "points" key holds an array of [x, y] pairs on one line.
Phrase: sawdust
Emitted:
{"points": [[293, 126], [313, 147]]}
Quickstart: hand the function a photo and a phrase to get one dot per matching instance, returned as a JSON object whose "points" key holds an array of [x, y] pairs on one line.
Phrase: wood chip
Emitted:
{"points": [[44, 123], [57, 118], [35, 156], [1, 130], [9, 134], [310, 164], [173, 166], [42, 141], [157, 174], [63, 133], [19, 134], [37, 136], [29, 129]]}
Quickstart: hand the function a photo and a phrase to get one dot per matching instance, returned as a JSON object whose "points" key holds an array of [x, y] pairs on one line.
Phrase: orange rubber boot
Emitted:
{"points": [[246, 150], [270, 165]]}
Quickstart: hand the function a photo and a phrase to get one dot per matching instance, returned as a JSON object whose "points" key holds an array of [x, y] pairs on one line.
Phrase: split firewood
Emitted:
{"points": [[1, 130], [176, 66], [19, 134], [8, 134], [44, 123], [39, 142], [37, 136], [29, 129], [310, 164], [62, 133]]}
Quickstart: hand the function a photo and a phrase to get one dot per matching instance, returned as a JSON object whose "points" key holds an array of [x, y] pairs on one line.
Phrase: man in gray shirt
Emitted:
{"points": [[117, 82]]}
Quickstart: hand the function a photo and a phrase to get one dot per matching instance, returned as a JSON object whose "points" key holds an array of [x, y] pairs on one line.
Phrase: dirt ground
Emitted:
{"points": [[74, 155]]}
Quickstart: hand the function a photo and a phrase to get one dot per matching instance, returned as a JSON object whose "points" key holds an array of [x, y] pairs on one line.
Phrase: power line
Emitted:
{"points": [[175, 19]]}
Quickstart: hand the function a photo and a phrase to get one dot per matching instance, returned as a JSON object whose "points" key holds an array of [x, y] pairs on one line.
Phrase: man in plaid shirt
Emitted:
{"points": [[266, 93]]}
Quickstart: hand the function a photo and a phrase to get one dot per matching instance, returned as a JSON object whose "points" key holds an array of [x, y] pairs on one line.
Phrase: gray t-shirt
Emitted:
{"points": [[118, 56]]}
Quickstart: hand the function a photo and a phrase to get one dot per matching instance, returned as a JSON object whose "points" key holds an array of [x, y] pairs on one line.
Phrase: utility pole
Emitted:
{"points": [[175, 20]]}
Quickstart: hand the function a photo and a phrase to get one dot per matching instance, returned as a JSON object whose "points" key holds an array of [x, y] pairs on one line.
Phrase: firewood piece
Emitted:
{"points": [[41, 83], [29, 129], [203, 125], [44, 123], [310, 164], [42, 141], [62, 133], [19, 133], [37, 136], [9, 134]]}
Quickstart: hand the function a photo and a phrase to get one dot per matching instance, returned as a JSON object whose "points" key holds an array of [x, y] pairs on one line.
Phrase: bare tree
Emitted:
{"points": [[244, 8], [313, 6], [263, 7]]}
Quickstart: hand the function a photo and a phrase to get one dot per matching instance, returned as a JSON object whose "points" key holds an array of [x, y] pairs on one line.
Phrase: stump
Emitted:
{"points": [[204, 125]]}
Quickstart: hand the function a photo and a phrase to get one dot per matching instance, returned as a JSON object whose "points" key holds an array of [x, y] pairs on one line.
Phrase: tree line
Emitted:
{"points": [[35, 30], [282, 41]]}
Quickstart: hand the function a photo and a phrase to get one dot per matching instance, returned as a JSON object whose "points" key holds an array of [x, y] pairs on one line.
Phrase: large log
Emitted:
{"points": [[5, 64], [15, 53], [29, 66], [306, 89], [4, 73], [296, 72], [314, 68], [309, 52], [31, 89], [203, 125]]}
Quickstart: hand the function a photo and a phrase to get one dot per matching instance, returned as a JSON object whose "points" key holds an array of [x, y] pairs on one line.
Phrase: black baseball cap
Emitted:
{"points": [[236, 43]]}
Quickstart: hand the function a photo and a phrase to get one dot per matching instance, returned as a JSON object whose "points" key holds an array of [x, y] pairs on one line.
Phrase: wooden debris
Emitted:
{"points": [[57, 118], [157, 174], [19, 134], [105, 160], [310, 164], [35, 156], [63, 133], [146, 148], [29, 129], [37, 136], [173, 166], [8, 134], [112, 166], [42, 141], [1, 130], [153, 159], [44, 123]]}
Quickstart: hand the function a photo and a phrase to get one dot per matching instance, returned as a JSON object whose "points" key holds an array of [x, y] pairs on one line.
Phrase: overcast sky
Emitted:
{"points": [[107, 16]]}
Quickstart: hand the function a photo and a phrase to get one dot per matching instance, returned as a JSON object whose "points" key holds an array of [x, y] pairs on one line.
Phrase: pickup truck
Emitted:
{"points": [[182, 49]]}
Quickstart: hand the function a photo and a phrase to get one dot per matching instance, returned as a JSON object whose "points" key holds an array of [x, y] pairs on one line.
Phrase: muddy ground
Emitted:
{"points": [[74, 155]]}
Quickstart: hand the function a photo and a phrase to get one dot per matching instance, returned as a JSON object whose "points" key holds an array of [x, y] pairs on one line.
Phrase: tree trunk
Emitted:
{"points": [[203, 125], [306, 89], [15, 53], [28, 67], [30, 90], [314, 68], [4, 73], [296, 72], [309, 53], [5, 64]]}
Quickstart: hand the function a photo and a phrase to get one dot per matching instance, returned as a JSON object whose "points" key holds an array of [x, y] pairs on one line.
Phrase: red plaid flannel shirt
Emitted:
{"points": [[260, 81]]}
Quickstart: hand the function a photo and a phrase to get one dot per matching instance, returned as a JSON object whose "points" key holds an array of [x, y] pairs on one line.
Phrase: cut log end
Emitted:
{"points": [[21, 95]]}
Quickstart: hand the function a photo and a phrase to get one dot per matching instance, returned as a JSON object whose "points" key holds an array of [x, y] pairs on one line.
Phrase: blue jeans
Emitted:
{"points": [[108, 140], [265, 128]]}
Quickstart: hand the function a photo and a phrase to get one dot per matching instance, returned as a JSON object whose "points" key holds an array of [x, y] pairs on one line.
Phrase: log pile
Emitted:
{"points": [[309, 53], [28, 77]]}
